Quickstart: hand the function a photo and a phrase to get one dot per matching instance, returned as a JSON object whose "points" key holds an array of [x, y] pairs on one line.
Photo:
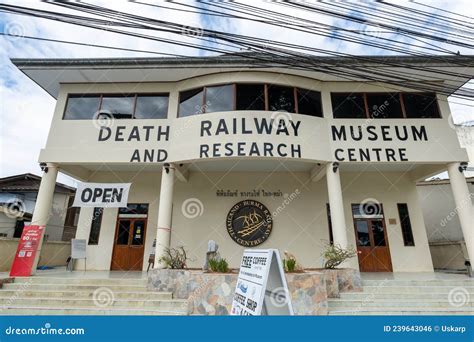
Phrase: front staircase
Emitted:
{"points": [[86, 296], [407, 297]]}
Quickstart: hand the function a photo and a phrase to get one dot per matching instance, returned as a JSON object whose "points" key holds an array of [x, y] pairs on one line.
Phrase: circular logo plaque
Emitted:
{"points": [[249, 223]]}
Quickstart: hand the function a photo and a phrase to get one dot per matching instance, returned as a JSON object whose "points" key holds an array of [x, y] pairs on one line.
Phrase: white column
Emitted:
{"points": [[44, 202], [165, 209], [464, 208], [336, 205]]}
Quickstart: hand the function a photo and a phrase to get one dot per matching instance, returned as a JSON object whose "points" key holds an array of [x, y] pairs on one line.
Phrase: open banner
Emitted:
{"points": [[102, 195]]}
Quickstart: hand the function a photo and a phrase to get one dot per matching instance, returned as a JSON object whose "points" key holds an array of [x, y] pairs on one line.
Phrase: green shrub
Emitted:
{"points": [[289, 265], [175, 258], [219, 265], [334, 255]]}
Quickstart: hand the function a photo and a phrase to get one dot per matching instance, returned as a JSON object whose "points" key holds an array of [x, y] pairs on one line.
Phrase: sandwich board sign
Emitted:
{"points": [[261, 286]]}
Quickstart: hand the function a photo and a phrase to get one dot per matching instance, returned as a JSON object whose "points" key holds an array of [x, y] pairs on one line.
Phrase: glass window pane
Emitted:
{"points": [[348, 106], [120, 107], [309, 102], [151, 107], [250, 97], [369, 209], [405, 223], [124, 232], [281, 99], [219, 99], [191, 102], [95, 226], [363, 238], [81, 107], [138, 232], [378, 232], [384, 106], [133, 208], [421, 105]]}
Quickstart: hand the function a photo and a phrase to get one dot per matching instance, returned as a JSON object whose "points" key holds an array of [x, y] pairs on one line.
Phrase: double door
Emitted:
{"points": [[129, 241]]}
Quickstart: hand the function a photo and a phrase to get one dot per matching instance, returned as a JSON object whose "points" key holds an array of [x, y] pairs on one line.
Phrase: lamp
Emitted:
{"points": [[167, 167], [335, 166], [44, 167], [462, 167]]}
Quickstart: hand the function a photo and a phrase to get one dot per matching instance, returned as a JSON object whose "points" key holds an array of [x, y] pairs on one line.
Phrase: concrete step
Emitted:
{"points": [[394, 295], [437, 282], [73, 287], [81, 281], [428, 303], [413, 288], [83, 294], [109, 303], [38, 310], [387, 311]]}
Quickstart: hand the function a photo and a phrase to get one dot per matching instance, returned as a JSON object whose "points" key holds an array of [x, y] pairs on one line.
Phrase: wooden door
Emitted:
{"points": [[129, 244], [372, 245]]}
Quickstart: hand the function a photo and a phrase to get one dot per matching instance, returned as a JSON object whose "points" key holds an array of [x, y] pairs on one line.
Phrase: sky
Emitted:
{"points": [[26, 110]]}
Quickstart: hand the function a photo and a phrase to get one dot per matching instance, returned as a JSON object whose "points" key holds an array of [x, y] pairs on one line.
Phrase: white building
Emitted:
{"points": [[222, 148]]}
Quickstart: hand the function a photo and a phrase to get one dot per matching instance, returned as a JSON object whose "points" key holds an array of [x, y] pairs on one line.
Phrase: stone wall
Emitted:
{"points": [[211, 293]]}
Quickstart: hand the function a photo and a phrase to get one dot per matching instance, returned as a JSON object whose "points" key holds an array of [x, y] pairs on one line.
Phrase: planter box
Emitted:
{"points": [[212, 293]]}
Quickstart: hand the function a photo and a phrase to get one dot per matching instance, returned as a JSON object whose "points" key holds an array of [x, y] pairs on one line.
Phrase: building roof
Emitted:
{"points": [[442, 181], [28, 182], [50, 73]]}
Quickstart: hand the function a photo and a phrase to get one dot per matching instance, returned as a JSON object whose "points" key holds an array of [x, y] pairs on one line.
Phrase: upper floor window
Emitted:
{"points": [[134, 106], [249, 96], [384, 105]]}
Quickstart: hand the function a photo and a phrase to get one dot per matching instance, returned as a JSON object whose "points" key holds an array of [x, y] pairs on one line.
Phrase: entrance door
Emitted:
{"points": [[372, 244], [129, 244]]}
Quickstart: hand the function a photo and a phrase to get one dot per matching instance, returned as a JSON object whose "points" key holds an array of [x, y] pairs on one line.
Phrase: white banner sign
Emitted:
{"points": [[102, 195], [261, 287]]}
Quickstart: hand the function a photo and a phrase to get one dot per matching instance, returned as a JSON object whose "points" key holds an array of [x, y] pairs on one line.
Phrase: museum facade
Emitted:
{"points": [[250, 156]]}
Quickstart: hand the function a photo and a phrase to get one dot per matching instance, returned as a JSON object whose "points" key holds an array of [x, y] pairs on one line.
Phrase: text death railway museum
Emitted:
{"points": [[250, 156]]}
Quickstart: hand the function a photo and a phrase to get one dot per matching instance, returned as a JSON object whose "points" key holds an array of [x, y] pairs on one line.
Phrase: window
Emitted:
{"points": [[134, 209], [421, 105], [151, 107], [281, 98], [191, 102], [139, 106], [384, 106], [219, 99], [328, 212], [405, 223], [348, 106], [95, 226], [81, 107], [250, 97], [309, 102], [120, 107]]}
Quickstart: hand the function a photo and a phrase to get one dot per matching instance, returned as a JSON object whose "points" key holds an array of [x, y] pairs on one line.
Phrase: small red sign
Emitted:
{"points": [[26, 252]]}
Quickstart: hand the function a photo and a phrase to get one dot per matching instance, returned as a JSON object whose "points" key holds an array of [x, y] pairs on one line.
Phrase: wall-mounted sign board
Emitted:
{"points": [[261, 287]]}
